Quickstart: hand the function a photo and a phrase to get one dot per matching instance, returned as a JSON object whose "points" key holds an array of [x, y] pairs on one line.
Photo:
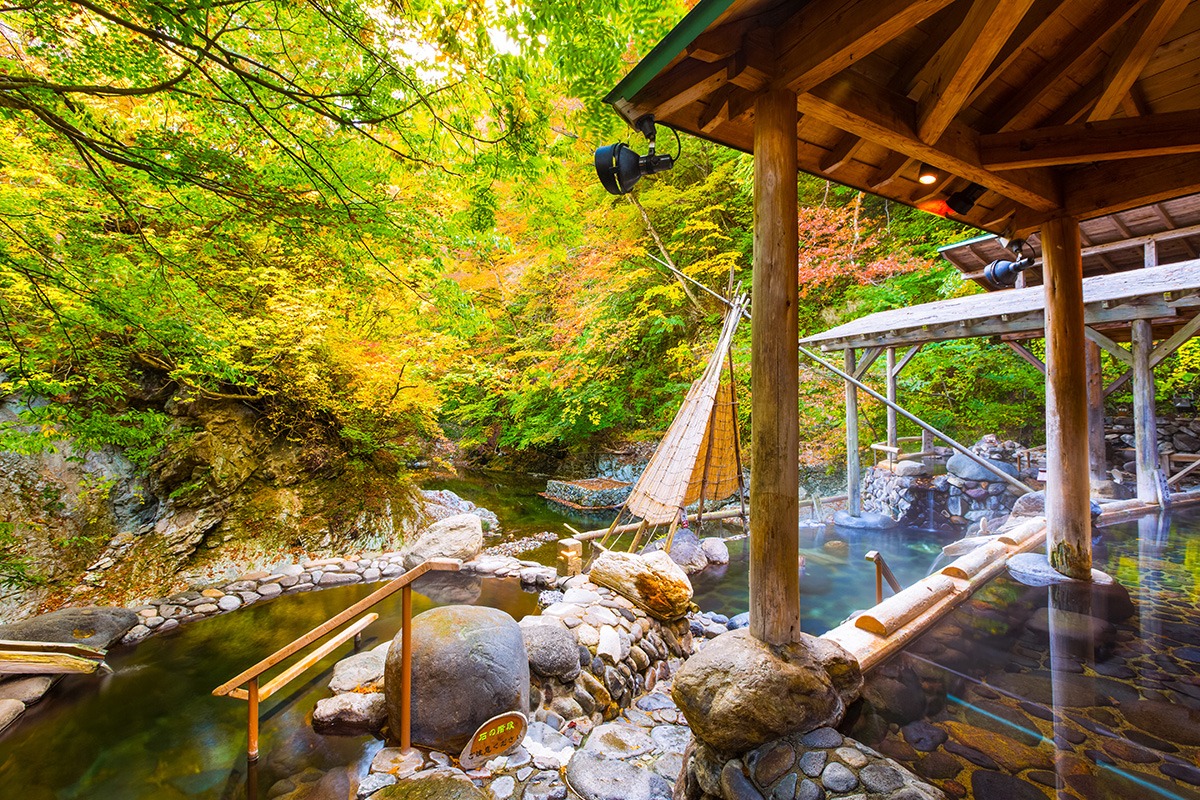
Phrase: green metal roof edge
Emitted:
{"points": [[966, 242], [695, 23]]}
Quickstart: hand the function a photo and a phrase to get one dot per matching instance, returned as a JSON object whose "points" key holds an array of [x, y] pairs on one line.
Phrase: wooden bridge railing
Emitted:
{"points": [[249, 678]]}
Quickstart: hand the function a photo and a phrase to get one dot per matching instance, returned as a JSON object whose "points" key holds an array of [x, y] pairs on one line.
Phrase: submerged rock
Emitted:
{"points": [[595, 777], [871, 520], [469, 664], [435, 785]]}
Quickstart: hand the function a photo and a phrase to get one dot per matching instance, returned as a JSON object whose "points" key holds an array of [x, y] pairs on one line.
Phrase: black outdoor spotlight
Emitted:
{"points": [[1001, 273], [962, 201], [619, 167]]}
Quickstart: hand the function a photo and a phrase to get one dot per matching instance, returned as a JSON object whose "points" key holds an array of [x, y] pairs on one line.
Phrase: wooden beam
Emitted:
{"points": [[841, 152], [892, 433], [754, 63], [908, 356], [960, 63], [1106, 188], [1040, 21], [1180, 336], [1068, 490], [1021, 108], [1097, 448], [867, 360], [1081, 143], [824, 37], [1145, 423], [854, 104], [774, 374], [1112, 348], [682, 85], [1141, 38], [853, 467], [1026, 354], [1117, 383], [889, 170]]}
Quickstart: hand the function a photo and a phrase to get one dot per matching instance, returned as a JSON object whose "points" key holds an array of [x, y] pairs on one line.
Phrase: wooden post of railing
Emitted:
{"points": [[882, 571], [252, 704], [406, 671]]}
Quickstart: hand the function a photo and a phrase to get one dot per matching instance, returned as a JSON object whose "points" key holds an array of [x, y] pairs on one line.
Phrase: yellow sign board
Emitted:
{"points": [[497, 737]]}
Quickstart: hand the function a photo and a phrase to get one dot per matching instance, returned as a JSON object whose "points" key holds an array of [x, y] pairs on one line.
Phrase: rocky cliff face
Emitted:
{"points": [[225, 494]]}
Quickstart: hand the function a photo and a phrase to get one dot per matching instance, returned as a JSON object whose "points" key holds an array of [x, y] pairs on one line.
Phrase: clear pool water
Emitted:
{"points": [[153, 731], [1027, 693]]}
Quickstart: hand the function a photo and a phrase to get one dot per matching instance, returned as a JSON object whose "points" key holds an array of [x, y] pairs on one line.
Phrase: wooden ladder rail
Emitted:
{"points": [[254, 694], [882, 571]]}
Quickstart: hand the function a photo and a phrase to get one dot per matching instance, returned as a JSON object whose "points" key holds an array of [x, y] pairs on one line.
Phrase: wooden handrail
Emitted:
{"points": [[432, 565], [882, 571], [250, 677]]}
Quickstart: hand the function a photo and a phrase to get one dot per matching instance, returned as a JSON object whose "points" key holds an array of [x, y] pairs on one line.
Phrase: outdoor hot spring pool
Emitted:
{"points": [[153, 730]]}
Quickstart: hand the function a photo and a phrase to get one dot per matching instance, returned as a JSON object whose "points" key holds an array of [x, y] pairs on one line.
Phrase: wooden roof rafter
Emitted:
{"points": [[1076, 107]]}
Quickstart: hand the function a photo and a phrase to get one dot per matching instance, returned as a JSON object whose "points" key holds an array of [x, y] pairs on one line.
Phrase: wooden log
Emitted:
{"points": [[25, 662], [1097, 449], [1145, 422], [853, 467], [774, 374], [890, 615], [1068, 489], [969, 565]]}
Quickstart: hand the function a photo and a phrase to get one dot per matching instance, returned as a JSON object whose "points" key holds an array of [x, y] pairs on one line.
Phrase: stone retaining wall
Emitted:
{"points": [[164, 614], [935, 502], [623, 652]]}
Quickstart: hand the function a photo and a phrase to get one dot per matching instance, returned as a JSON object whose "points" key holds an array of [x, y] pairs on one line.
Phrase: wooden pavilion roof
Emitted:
{"points": [[1113, 243], [1079, 107], [1166, 295]]}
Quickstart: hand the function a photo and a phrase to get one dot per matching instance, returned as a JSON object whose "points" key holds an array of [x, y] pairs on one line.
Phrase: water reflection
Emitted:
{"points": [[154, 731], [1065, 691]]}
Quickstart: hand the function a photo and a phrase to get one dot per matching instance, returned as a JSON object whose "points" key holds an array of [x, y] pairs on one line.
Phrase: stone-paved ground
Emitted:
{"points": [[971, 706]]}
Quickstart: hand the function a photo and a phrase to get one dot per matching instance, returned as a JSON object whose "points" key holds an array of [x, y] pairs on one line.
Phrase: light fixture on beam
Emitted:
{"points": [[962, 201], [927, 175], [1002, 273], [619, 167]]}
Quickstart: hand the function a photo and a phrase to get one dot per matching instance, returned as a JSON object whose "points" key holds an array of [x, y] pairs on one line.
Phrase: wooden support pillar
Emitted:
{"points": [[853, 467], [893, 438], [1097, 456], [774, 375], [1068, 488], [1145, 421]]}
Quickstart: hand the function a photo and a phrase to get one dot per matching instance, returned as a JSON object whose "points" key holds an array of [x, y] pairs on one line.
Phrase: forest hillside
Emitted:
{"points": [[262, 264]]}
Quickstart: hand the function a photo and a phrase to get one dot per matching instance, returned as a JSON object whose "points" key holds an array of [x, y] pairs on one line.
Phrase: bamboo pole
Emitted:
{"points": [[708, 451], [1068, 490], [774, 374], [737, 444]]}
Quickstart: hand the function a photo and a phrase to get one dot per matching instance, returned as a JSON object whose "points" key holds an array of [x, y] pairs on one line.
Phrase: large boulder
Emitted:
{"points": [[686, 550], [351, 714], [460, 536], [95, 626], [715, 549], [962, 467], [1030, 504], [652, 581], [469, 664], [553, 649], [739, 693]]}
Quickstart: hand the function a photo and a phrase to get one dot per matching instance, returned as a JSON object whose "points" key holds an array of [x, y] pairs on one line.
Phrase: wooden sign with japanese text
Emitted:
{"points": [[497, 737]]}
